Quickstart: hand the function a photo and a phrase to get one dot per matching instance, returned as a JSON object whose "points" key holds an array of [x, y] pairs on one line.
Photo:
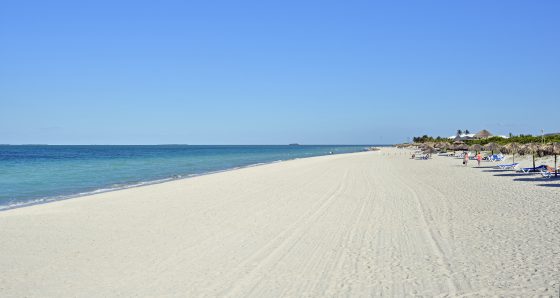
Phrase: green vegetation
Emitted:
{"points": [[426, 138], [523, 139]]}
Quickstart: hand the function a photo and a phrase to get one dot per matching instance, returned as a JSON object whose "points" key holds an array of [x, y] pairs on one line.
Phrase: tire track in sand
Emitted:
{"points": [[279, 243], [435, 246]]}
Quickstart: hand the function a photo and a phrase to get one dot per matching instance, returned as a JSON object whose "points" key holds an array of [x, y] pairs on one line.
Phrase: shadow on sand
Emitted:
{"points": [[496, 171], [531, 179], [549, 184], [524, 177], [513, 175]]}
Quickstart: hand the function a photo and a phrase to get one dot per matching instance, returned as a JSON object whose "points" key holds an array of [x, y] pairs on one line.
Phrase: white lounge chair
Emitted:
{"points": [[510, 166]]}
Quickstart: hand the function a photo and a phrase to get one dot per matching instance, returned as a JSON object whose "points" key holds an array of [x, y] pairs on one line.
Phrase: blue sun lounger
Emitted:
{"points": [[496, 157], [531, 169]]}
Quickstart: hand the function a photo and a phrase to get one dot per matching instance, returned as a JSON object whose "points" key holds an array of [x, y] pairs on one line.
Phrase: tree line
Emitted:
{"points": [[523, 139]]}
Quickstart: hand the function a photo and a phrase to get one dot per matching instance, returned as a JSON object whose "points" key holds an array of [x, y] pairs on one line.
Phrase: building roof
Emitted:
{"points": [[483, 134]]}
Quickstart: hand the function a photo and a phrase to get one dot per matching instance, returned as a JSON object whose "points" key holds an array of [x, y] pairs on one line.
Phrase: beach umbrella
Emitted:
{"points": [[511, 148], [429, 150], [428, 145], [532, 148], [459, 145], [554, 149], [476, 147], [492, 147], [442, 145]]}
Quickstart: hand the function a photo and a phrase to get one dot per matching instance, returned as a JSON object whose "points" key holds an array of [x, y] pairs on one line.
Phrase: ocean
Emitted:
{"points": [[34, 174]]}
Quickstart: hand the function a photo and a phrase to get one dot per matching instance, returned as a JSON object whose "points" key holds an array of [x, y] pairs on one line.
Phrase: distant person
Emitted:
{"points": [[479, 158], [466, 159]]}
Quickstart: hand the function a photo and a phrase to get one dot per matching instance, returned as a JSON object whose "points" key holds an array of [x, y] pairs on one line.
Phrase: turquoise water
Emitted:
{"points": [[38, 174]]}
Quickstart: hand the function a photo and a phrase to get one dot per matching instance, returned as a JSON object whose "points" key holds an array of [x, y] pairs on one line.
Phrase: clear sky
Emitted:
{"points": [[275, 72]]}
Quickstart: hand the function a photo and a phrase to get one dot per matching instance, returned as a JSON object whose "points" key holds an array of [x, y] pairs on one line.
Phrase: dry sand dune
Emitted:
{"points": [[356, 225]]}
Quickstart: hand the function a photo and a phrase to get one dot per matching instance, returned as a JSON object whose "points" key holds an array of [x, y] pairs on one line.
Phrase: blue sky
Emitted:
{"points": [[262, 72]]}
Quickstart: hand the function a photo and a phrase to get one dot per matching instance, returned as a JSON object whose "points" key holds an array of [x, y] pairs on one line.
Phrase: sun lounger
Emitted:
{"points": [[510, 166], [496, 157], [531, 169], [548, 173]]}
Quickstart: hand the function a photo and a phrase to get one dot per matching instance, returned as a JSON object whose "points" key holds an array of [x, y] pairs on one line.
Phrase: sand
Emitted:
{"points": [[357, 225]]}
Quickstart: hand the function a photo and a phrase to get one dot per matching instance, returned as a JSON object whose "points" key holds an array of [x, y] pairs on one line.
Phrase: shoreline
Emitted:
{"points": [[53, 199]]}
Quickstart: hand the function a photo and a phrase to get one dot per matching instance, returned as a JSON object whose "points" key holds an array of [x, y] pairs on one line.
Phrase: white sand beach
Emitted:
{"points": [[355, 225]]}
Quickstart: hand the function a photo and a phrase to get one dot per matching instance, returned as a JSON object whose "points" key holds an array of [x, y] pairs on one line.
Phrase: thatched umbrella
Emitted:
{"points": [[492, 147], [460, 147], [532, 148], [442, 145], [476, 147], [511, 148], [427, 144], [553, 149], [429, 150]]}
